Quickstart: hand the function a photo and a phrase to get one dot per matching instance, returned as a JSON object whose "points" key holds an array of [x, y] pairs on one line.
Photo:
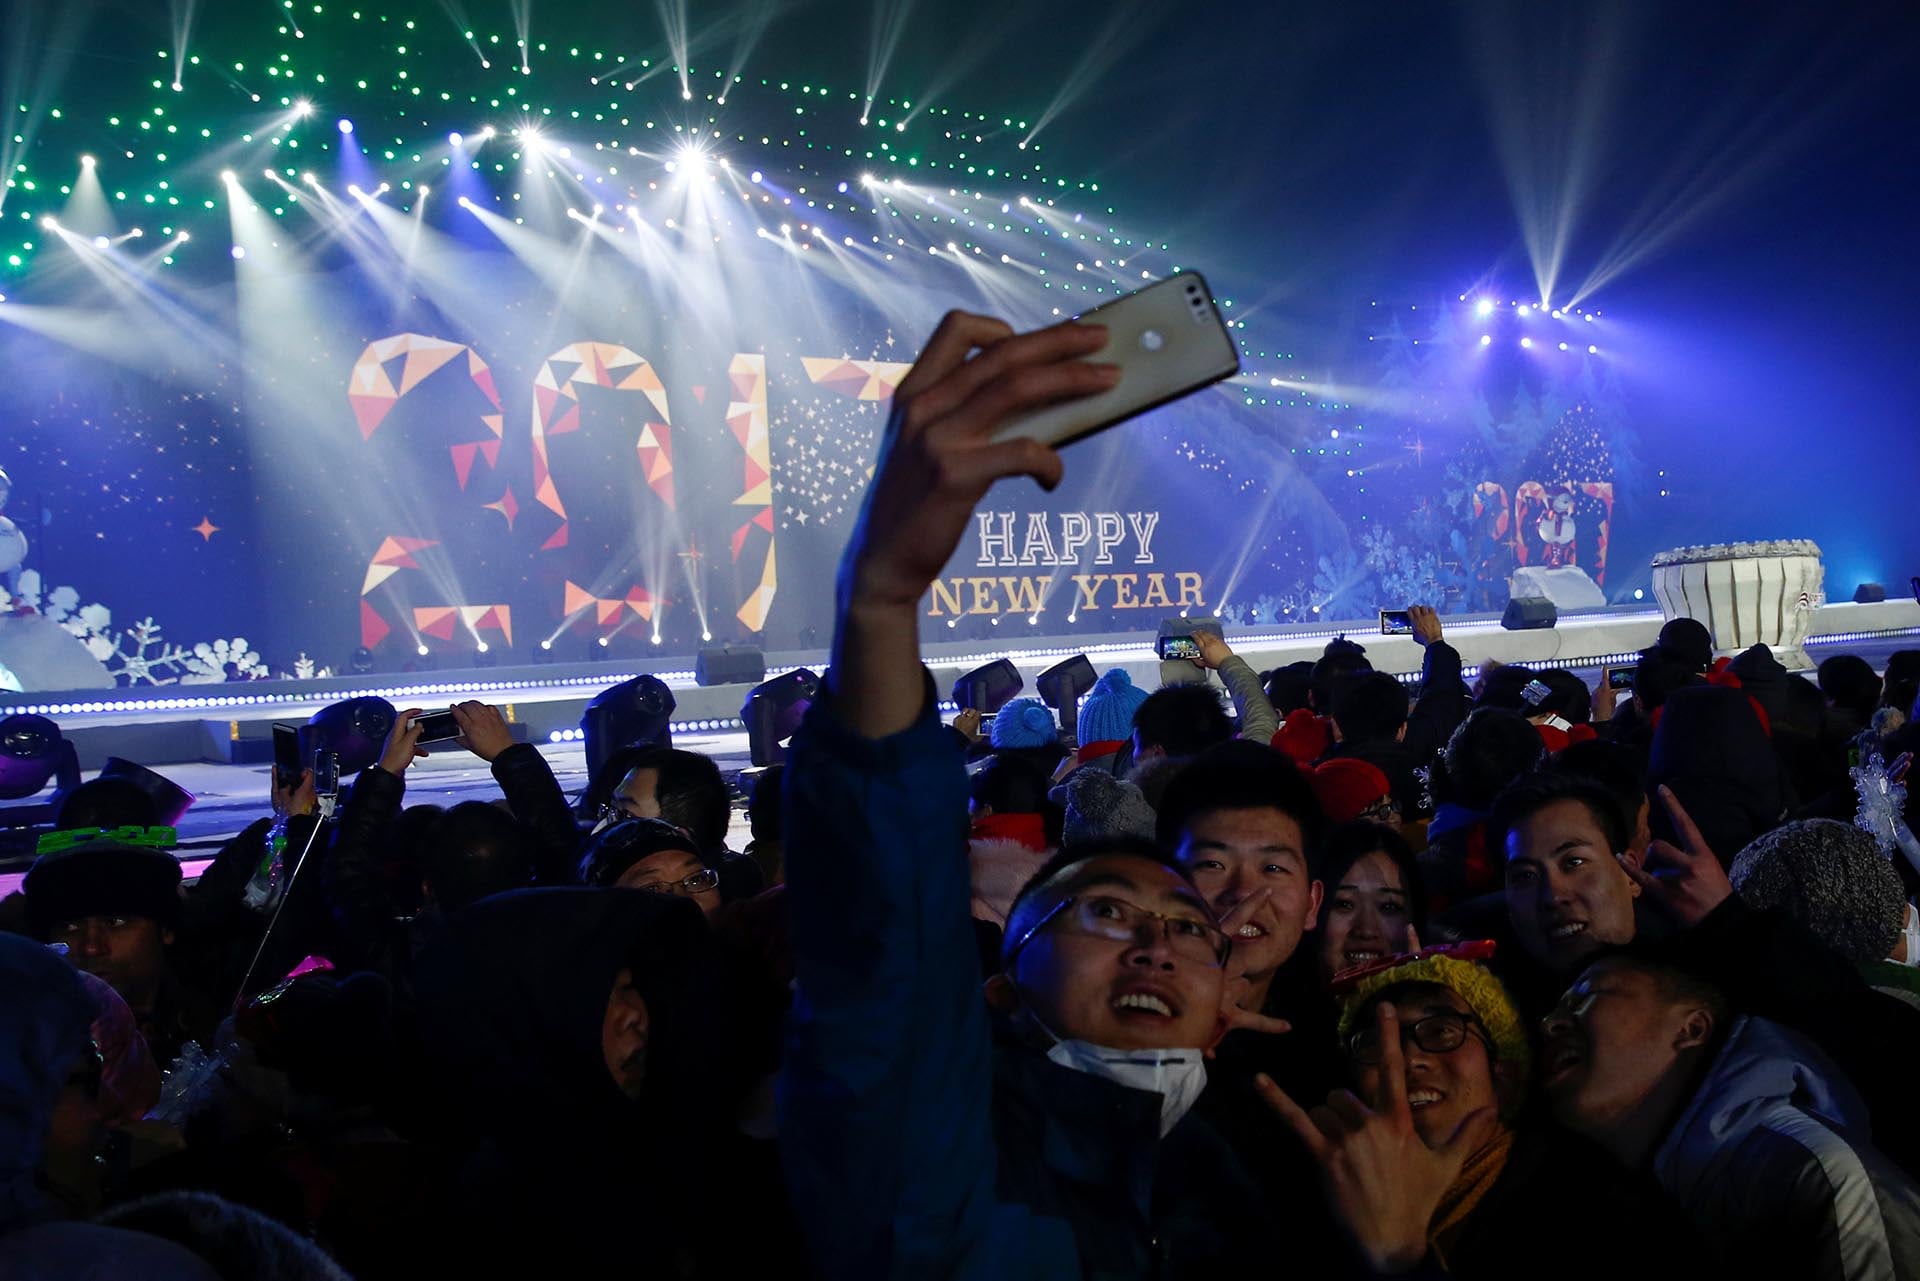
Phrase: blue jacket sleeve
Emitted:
{"points": [[885, 1094]]}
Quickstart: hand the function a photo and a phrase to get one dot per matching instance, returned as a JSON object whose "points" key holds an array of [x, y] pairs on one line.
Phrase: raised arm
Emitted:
{"points": [[886, 1090], [1258, 721], [1442, 704]]}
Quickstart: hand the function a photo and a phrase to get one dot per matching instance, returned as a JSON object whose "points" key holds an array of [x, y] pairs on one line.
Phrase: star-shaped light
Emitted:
{"points": [[206, 528]]}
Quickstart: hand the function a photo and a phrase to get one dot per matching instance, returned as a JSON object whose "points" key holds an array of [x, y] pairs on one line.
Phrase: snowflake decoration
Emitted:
{"points": [[209, 662], [138, 654], [1378, 548], [306, 668], [90, 623]]}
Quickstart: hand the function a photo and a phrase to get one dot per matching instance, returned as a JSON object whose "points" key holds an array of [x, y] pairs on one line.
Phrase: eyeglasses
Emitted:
{"points": [[613, 812], [1573, 1004], [699, 883], [1442, 1032], [1381, 811], [1104, 916]]}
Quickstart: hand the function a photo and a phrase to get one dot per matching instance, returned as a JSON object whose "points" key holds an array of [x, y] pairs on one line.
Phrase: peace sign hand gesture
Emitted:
{"points": [[1687, 882], [1233, 1014], [1383, 1181]]}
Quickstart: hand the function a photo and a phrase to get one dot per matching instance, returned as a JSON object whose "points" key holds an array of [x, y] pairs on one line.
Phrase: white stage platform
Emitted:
{"points": [[231, 723], [216, 740]]}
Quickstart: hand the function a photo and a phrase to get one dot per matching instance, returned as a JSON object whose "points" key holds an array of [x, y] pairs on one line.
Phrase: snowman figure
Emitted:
{"points": [[13, 543], [1556, 531]]}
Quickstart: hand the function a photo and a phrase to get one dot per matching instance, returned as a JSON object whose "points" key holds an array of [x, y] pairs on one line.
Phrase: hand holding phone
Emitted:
{"points": [[1396, 622], [1620, 677], [287, 765], [1179, 647], [1167, 340], [438, 727]]}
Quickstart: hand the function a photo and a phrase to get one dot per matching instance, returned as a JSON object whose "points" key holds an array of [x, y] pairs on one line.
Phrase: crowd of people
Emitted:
{"points": [[1304, 973]]}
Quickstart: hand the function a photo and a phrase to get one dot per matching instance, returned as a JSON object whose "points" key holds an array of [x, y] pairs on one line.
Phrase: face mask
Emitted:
{"points": [[1913, 937], [1177, 1076]]}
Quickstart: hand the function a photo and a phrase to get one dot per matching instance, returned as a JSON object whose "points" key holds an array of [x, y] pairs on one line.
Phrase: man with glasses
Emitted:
{"points": [[916, 1143], [1745, 1124], [1426, 1162], [687, 790], [651, 854]]}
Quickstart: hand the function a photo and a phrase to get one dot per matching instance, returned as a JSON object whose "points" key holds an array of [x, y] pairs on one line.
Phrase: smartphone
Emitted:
{"points": [[326, 773], [286, 757], [1396, 622], [1620, 677], [438, 727], [1179, 647], [1168, 340]]}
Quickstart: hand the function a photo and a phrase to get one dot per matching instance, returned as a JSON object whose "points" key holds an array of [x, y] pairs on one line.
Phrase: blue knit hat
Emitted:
{"points": [[1107, 714], [1024, 722]]}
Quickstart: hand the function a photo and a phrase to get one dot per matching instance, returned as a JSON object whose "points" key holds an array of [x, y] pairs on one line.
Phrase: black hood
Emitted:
{"points": [[513, 999], [1711, 750]]}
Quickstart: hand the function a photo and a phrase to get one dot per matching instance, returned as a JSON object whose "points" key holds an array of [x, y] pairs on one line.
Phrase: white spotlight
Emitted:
{"points": [[87, 162], [1484, 307], [1526, 342], [422, 651]]}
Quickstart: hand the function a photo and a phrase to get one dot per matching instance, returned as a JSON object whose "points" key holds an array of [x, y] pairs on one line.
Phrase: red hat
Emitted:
{"points": [[1304, 736], [1347, 787]]}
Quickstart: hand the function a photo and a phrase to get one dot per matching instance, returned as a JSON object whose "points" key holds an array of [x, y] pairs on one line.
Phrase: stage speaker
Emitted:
{"points": [[773, 712], [987, 689], [635, 713], [170, 800], [1869, 594], [1061, 686], [730, 665], [354, 730], [1525, 613], [32, 751]]}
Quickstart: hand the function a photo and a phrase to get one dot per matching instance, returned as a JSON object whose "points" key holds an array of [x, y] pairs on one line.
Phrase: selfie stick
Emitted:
{"points": [[327, 802]]}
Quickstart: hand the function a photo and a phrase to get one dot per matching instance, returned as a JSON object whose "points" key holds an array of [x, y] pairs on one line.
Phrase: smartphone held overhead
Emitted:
{"points": [[438, 727], [1168, 340]]}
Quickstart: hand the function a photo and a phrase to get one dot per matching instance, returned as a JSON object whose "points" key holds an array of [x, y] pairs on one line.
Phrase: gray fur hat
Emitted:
{"points": [[1833, 879], [1099, 806]]}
